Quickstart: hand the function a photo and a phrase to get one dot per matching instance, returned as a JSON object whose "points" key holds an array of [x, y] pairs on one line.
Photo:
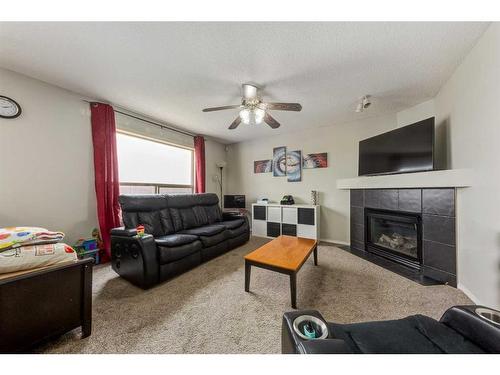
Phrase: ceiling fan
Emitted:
{"points": [[253, 110]]}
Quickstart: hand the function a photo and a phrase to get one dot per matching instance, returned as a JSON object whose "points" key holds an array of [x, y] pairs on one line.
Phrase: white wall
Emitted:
{"points": [[468, 136], [414, 114], [469, 122], [339, 141], [46, 160], [214, 153]]}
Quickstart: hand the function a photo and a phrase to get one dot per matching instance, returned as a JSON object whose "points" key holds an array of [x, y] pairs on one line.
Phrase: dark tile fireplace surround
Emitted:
{"points": [[410, 231]]}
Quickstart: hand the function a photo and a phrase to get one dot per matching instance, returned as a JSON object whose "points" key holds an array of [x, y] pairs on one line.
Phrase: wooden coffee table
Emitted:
{"points": [[284, 254]]}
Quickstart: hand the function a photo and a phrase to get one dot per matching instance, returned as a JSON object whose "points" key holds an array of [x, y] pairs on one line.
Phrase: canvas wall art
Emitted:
{"points": [[262, 166], [279, 161], [319, 160], [294, 166]]}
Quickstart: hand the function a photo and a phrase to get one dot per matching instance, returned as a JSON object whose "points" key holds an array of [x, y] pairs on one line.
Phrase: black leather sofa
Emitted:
{"points": [[182, 231], [460, 330]]}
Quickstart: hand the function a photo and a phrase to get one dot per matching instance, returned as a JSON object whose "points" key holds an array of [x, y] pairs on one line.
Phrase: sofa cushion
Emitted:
{"points": [[188, 218], [130, 219], [151, 221], [181, 200], [206, 230], [238, 231], [214, 213], [209, 235], [177, 239], [166, 221], [232, 224], [171, 254], [201, 215], [206, 199], [175, 215], [413, 334], [215, 239], [143, 209]]}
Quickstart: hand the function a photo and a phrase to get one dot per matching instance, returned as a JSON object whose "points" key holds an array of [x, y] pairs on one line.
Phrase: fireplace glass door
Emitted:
{"points": [[397, 234]]}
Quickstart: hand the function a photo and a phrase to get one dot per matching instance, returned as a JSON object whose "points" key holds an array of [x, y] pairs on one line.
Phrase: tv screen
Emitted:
{"points": [[234, 201], [403, 150]]}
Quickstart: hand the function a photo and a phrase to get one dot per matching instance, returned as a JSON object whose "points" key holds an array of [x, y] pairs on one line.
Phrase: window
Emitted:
{"points": [[153, 167]]}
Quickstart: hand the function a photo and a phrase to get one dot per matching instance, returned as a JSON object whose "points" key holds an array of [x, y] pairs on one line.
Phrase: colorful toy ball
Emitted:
{"points": [[140, 230]]}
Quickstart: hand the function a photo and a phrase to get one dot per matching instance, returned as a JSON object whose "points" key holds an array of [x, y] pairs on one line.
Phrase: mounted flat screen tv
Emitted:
{"points": [[404, 150]]}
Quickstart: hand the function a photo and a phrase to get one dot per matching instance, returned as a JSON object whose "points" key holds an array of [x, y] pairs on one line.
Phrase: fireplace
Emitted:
{"points": [[394, 235], [402, 215]]}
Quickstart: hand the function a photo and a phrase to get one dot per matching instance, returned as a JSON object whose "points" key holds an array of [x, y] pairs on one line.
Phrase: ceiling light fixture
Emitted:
{"points": [[253, 110], [252, 116]]}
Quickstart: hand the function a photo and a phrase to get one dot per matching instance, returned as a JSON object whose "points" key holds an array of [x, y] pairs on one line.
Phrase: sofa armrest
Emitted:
{"points": [[135, 259], [232, 215], [291, 343], [122, 231], [465, 321]]}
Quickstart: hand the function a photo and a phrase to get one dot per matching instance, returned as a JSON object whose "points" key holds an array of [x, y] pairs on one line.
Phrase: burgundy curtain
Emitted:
{"points": [[107, 185], [199, 160]]}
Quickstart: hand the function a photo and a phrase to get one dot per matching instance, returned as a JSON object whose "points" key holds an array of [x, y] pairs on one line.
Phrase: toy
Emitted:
{"points": [[97, 236], [78, 246], [140, 230], [93, 254], [89, 244], [87, 248]]}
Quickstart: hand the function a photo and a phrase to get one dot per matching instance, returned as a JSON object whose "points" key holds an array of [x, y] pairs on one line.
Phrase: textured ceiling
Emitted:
{"points": [[170, 71]]}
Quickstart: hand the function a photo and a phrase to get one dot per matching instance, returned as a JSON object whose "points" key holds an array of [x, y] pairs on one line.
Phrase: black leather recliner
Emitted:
{"points": [[459, 331], [182, 231]]}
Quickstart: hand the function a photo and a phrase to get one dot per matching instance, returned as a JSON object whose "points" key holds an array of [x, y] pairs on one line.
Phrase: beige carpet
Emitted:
{"points": [[206, 310]]}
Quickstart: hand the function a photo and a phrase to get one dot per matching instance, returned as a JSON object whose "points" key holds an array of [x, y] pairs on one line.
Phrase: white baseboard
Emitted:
{"points": [[469, 294]]}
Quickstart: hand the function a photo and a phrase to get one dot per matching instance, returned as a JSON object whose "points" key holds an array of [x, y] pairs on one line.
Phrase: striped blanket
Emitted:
{"points": [[12, 237]]}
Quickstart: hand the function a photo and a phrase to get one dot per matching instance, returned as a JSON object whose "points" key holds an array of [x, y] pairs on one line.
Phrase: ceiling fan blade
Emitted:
{"points": [[284, 106], [271, 121], [221, 108], [235, 123]]}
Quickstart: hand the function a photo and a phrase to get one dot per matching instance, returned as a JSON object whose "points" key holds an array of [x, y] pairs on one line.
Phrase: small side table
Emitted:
{"points": [[42, 303]]}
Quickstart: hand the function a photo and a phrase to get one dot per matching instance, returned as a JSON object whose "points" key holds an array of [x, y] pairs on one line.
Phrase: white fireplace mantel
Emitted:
{"points": [[458, 178]]}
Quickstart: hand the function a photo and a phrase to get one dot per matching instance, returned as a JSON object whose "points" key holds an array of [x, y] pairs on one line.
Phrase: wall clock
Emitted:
{"points": [[9, 108]]}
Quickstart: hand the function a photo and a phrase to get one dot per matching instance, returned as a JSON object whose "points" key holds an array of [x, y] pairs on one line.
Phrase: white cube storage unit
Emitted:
{"points": [[289, 215], [274, 214], [272, 220]]}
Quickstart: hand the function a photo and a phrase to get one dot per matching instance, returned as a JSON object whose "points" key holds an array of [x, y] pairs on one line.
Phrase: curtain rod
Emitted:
{"points": [[137, 117]]}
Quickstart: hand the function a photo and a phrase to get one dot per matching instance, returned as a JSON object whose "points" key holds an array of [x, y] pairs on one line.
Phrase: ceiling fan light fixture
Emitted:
{"points": [[259, 115], [245, 116], [252, 116], [253, 110]]}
